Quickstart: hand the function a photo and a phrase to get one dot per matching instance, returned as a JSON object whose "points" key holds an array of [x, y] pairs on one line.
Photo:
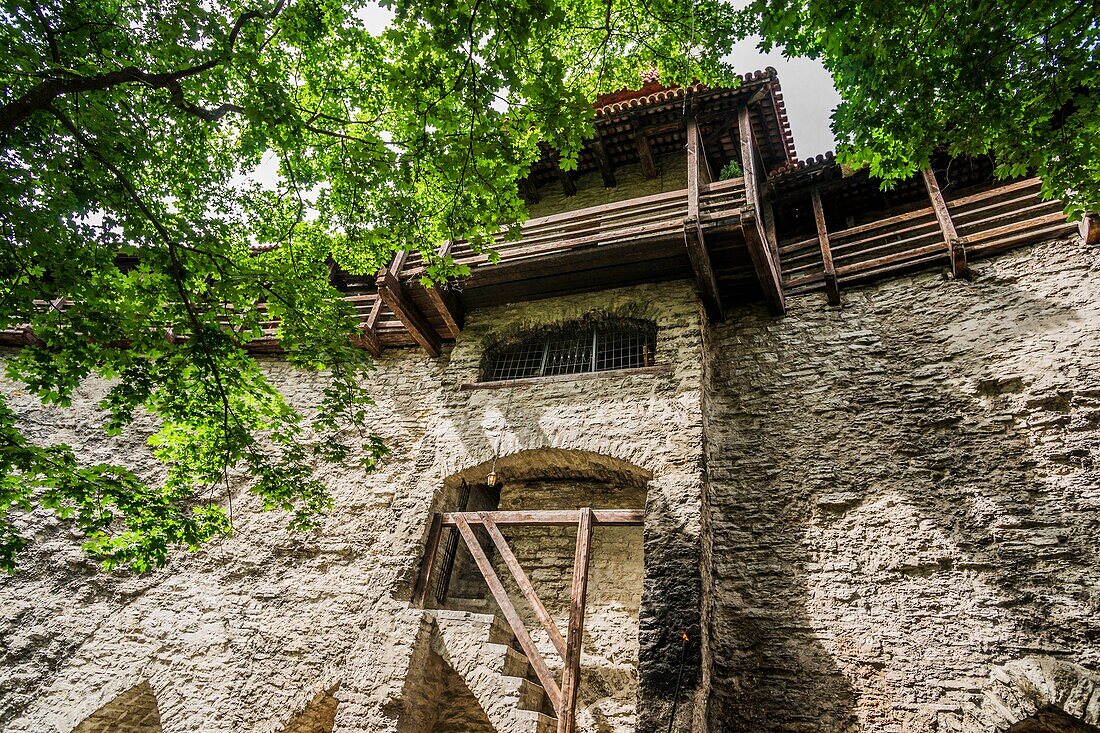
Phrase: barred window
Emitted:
{"points": [[588, 345]]}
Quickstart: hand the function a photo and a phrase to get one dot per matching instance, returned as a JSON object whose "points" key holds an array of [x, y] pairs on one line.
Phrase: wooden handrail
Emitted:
{"points": [[617, 221], [549, 517]]}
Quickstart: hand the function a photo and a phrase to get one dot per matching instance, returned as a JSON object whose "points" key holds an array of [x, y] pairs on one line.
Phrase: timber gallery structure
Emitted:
{"points": [[727, 441]]}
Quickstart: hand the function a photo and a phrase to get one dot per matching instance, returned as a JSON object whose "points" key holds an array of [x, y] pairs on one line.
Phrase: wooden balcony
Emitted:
{"points": [[648, 239], [626, 242], [987, 221]]}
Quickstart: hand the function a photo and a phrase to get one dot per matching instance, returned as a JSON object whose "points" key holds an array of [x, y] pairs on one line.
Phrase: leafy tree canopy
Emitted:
{"points": [[1019, 79], [129, 130]]}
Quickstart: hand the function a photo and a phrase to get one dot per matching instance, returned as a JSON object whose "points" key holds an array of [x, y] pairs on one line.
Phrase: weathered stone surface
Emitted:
{"points": [[903, 495], [883, 517], [242, 636]]}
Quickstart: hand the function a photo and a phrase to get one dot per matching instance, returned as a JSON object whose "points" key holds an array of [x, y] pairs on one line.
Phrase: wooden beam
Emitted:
{"points": [[764, 257], [524, 583], [645, 155], [368, 337], [546, 679], [396, 296], [766, 270], [603, 160], [529, 191], [568, 186], [431, 547], [444, 301], [832, 287], [748, 158], [578, 596], [550, 517], [705, 281], [955, 246]]}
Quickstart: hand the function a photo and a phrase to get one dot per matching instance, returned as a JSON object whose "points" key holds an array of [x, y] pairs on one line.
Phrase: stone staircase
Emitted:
{"points": [[481, 648]]}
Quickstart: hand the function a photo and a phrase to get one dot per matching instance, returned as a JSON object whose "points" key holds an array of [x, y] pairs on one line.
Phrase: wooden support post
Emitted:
{"points": [[448, 307], [368, 337], [568, 187], [444, 301], [423, 581], [396, 296], [955, 245], [546, 679], [603, 160], [523, 582], [832, 287], [567, 714], [748, 158], [764, 258], [528, 190], [645, 155], [705, 280]]}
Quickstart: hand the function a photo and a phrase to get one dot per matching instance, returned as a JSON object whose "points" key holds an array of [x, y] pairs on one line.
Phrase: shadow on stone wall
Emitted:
{"points": [[770, 671], [903, 493], [671, 600]]}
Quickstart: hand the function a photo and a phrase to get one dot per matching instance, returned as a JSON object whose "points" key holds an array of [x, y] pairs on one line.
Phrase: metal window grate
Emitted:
{"points": [[573, 348], [450, 548]]}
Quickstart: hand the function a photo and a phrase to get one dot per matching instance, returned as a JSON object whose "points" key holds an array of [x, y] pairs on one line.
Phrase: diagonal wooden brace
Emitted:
{"points": [[546, 679]]}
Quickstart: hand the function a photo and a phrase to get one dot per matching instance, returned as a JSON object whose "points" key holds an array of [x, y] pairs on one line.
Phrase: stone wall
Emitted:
{"points": [[899, 530], [242, 636], [904, 502], [630, 183]]}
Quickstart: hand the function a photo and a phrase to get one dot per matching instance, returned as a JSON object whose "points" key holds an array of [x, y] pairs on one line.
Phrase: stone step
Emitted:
{"points": [[473, 605], [501, 633], [532, 722], [532, 696], [516, 664]]}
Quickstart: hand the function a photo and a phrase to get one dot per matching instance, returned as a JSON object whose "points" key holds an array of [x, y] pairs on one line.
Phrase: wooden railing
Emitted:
{"points": [[986, 222], [563, 695], [655, 217]]}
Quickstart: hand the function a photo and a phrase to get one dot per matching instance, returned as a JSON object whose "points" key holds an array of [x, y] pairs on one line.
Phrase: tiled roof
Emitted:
{"points": [[653, 94]]}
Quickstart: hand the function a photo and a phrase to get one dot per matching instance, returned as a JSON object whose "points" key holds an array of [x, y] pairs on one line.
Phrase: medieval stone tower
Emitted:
{"points": [[726, 442]]}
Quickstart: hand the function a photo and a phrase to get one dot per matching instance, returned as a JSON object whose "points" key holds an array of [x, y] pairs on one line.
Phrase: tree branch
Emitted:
{"points": [[42, 96]]}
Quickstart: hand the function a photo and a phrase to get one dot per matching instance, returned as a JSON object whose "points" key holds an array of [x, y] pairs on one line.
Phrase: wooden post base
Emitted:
{"points": [[1089, 226]]}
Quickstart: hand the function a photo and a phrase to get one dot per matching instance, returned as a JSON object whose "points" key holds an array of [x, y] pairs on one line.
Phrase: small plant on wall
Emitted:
{"points": [[730, 170]]}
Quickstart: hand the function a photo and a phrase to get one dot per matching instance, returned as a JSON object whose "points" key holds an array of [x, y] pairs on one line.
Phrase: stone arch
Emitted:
{"points": [[1038, 691], [554, 464], [133, 711], [538, 479], [1052, 719], [318, 715], [559, 479], [435, 698]]}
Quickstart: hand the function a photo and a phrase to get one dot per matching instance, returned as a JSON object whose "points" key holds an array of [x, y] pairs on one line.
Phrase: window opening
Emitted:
{"points": [[574, 348], [450, 548]]}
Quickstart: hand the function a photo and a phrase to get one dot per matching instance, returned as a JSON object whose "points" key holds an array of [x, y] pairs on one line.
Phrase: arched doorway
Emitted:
{"points": [[134, 711], [1052, 719], [552, 541]]}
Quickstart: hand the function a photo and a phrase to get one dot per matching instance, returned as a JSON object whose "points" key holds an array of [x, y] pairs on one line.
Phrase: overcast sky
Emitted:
{"points": [[808, 93]]}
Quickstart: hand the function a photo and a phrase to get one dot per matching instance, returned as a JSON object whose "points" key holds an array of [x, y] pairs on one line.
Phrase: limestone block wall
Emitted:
{"points": [[904, 503], [242, 636], [630, 183]]}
